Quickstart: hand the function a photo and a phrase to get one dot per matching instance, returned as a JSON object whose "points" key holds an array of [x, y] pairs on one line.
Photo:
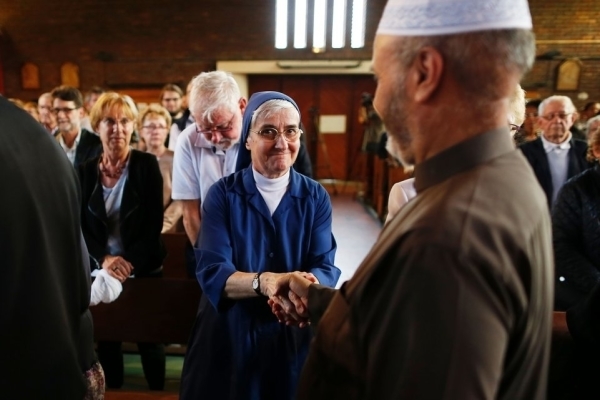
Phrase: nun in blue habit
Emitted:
{"points": [[260, 222]]}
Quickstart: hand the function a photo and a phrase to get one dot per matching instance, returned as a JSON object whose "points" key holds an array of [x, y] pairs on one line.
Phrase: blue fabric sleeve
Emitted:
{"points": [[214, 263]]}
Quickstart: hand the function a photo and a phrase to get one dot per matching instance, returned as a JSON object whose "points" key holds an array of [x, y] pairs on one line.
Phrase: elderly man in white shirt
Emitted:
{"points": [[555, 156], [207, 150]]}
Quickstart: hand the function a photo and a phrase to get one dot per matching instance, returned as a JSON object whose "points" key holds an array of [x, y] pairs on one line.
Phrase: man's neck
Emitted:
{"points": [[69, 137], [157, 151], [557, 141], [449, 125]]}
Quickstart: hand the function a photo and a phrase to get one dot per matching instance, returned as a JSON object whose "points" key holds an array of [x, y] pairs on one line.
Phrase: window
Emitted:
{"points": [[340, 21]]}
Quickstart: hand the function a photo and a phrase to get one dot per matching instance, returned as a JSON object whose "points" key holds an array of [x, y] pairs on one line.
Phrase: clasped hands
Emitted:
{"points": [[117, 267], [288, 297]]}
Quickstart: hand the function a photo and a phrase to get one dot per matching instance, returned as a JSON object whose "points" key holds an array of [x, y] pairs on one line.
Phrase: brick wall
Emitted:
{"points": [[135, 43], [573, 29]]}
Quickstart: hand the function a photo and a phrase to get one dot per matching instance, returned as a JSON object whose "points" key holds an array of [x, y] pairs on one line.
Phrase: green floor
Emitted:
{"points": [[134, 375]]}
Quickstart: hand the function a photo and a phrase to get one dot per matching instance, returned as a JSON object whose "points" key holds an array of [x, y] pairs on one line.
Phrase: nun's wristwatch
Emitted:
{"points": [[256, 284]]}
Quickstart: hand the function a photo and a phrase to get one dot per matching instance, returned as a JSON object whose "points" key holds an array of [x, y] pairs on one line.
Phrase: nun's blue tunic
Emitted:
{"points": [[238, 348]]}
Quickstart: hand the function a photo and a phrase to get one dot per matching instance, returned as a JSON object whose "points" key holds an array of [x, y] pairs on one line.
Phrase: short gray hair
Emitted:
{"points": [[270, 107], [477, 60], [211, 91], [565, 100]]}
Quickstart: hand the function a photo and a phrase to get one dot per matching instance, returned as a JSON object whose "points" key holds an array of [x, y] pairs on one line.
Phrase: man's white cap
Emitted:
{"points": [[447, 17]]}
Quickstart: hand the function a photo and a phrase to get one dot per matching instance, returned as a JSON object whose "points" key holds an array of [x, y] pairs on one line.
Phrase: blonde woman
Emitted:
{"points": [[154, 123], [121, 220]]}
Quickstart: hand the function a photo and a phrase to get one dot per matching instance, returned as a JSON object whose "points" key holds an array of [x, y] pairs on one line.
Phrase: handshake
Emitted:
{"points": [[288, 297]]}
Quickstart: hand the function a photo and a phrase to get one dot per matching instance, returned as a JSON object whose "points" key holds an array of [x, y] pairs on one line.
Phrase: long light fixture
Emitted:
{"points": [[300, 25], [357, 33], [320, 19], [281, 24], [338, 29]]}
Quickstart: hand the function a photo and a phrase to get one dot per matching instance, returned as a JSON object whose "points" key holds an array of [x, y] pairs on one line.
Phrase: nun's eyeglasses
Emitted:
{"points": [[272, 134]]}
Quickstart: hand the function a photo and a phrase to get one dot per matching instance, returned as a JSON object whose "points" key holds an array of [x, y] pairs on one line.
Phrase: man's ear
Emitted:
{"points": [[247, 144], [575, 116], [428, 67], [243, 103]]}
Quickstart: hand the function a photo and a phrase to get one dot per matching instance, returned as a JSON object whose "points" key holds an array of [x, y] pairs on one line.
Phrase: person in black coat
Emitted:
{"points": [[46, 337], [576, 233], [122, 217]]}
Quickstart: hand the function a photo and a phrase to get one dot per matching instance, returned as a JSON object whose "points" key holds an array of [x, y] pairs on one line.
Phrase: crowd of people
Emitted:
{"points": [[455, 298]]}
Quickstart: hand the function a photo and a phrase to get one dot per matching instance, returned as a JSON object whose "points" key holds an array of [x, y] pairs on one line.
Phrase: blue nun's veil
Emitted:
{"points": [[258, 98]]}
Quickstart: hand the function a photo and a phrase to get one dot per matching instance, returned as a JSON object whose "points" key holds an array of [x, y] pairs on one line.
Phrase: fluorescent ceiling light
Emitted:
{"points": [[320, 19], [300, 25], [357, 35], [281, 24], [338, 29]]}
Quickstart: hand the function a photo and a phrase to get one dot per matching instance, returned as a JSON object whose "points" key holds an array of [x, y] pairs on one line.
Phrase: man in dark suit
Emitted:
{"points": [[556, 156], [46, 336], [79, 144]]}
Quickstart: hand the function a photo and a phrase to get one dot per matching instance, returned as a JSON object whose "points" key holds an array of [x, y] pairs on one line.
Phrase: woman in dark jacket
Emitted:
{"points": [[121, 218], [576, 232]]}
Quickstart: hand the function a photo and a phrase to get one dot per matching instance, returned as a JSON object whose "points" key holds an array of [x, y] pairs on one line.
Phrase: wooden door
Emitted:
{"points": [[334, 155]]}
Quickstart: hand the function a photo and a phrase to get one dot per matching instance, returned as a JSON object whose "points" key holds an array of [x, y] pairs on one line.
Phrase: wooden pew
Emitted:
{"points": [[155, 310], [174, 263]]}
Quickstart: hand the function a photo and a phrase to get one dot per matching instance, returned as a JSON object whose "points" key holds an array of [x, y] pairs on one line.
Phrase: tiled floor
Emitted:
{"points": [[355, 230]]}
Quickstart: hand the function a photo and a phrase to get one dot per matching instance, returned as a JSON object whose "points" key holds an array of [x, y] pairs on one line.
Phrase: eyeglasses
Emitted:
{"points": [[513, 127], [221, 129], [66, 110], [111, 122], [562, 116], [154, 127], [271, 134]]}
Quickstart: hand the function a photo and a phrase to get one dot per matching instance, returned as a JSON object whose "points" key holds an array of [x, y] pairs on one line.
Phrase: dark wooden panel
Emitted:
{"points": [[260, 83], [358, 168], [154, 310], [174, 265], [335, 98], [303, 90]]}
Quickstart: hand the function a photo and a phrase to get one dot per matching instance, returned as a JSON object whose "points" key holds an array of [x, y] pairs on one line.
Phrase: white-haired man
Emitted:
{"points": [[207, 150], [555, 156], [454, 301]]}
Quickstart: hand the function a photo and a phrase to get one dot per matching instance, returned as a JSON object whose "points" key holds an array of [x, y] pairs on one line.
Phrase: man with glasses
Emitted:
{"points": [[78, 143], [555, 156], [171, 98], [207, 150]]}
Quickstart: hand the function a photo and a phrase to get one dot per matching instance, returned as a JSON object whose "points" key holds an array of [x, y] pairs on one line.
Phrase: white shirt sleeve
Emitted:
{"points": [[400, 194], [173, 136], [186, 183]]}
